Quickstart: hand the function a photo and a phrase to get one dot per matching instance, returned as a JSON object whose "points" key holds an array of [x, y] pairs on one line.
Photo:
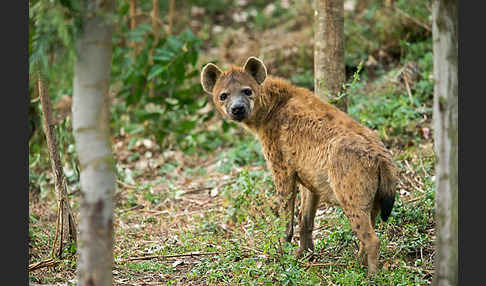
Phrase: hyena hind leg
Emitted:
{"points": [[362, 257], [362, 225]]}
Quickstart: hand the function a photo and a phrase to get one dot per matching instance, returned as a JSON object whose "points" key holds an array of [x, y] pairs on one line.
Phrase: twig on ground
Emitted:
{"points": [[74, 192], [408, 90], [430, 271], [415, 199], [229, 182], [196, 190], [322, 226], [199, 203], [137, 207], [128, 186], [199, 189], [121, 282], [155, 213], [329, 281], [44, 263], [413, 181], [192, 254], [254, 250], [408, 166], [327, 264]]}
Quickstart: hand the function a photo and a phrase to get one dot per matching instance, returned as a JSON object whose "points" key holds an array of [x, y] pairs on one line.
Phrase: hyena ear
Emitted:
{"points": [[209, 75], [256, 68]]}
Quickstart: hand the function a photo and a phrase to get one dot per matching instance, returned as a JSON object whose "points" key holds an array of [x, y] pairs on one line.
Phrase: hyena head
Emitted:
{"points": [[236, 90]]}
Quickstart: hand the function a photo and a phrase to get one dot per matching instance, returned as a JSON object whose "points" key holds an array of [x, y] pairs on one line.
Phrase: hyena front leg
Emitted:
{"points": [[310, 202], [285, 184]]}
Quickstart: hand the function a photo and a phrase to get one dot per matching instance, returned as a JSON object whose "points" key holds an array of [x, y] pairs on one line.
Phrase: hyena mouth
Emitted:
{"points": [[238, 112], [239, 117]]}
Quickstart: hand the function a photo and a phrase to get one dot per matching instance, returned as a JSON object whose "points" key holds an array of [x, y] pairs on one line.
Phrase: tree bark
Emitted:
{"points": [[93, 145], [329, 51], [66, 226], [445, 49]]}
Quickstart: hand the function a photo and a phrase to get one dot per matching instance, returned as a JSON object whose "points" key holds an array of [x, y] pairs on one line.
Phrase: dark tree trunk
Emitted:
{"points": [[329, 51]]}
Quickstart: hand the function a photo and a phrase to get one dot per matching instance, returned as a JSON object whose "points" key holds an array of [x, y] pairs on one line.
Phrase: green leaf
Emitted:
{"points": [[174, 44], [187, 125], [139, 32], [155, 71], [163, 54]]}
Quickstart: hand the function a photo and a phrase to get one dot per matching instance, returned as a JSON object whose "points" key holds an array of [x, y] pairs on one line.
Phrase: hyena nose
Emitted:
{"points": [[237, 109]]}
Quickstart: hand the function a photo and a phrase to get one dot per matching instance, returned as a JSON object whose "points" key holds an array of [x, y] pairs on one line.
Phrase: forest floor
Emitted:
{"points": [[190, 223], [203, 218]]}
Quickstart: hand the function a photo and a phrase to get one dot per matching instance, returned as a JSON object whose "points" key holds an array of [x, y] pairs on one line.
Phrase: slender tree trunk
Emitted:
{"points": [[66, 226], [155, 20], [133, 25], [171, 16], [133, 8], [329, 51], [155, 28], [93, 145], [445, 48], [156, 32]]}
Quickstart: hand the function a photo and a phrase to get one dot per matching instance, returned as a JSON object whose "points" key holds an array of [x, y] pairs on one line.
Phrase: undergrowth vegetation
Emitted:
{"points": [[193, 191]]}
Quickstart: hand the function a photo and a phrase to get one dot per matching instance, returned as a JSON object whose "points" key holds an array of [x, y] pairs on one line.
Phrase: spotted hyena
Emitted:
{"points": [[309, 142]]}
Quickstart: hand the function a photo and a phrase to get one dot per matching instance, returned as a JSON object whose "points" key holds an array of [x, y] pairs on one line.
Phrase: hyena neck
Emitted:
{"points": [[274, 95]]}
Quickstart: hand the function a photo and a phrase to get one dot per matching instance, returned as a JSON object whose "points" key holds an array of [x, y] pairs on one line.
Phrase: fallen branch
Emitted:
{"points": [[128, 186], [192, 254], [415, 199], [254, 250], [326, 264], [407, 85], [137, 207], [74, 192], [430, 271], [44, 263], [195, 190]]}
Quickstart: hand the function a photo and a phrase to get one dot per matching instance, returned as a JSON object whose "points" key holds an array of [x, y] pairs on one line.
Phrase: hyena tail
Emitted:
{"points": [[386, 188]]}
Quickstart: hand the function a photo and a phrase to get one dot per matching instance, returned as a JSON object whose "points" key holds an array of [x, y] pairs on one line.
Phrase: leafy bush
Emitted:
{"points": [[381, 27], [388, 109], [246, 152], [172, 110]]}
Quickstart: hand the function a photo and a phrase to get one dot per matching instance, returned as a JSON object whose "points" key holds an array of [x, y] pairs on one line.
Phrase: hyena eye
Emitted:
{"points": [[223, 96], [247, 91]]}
